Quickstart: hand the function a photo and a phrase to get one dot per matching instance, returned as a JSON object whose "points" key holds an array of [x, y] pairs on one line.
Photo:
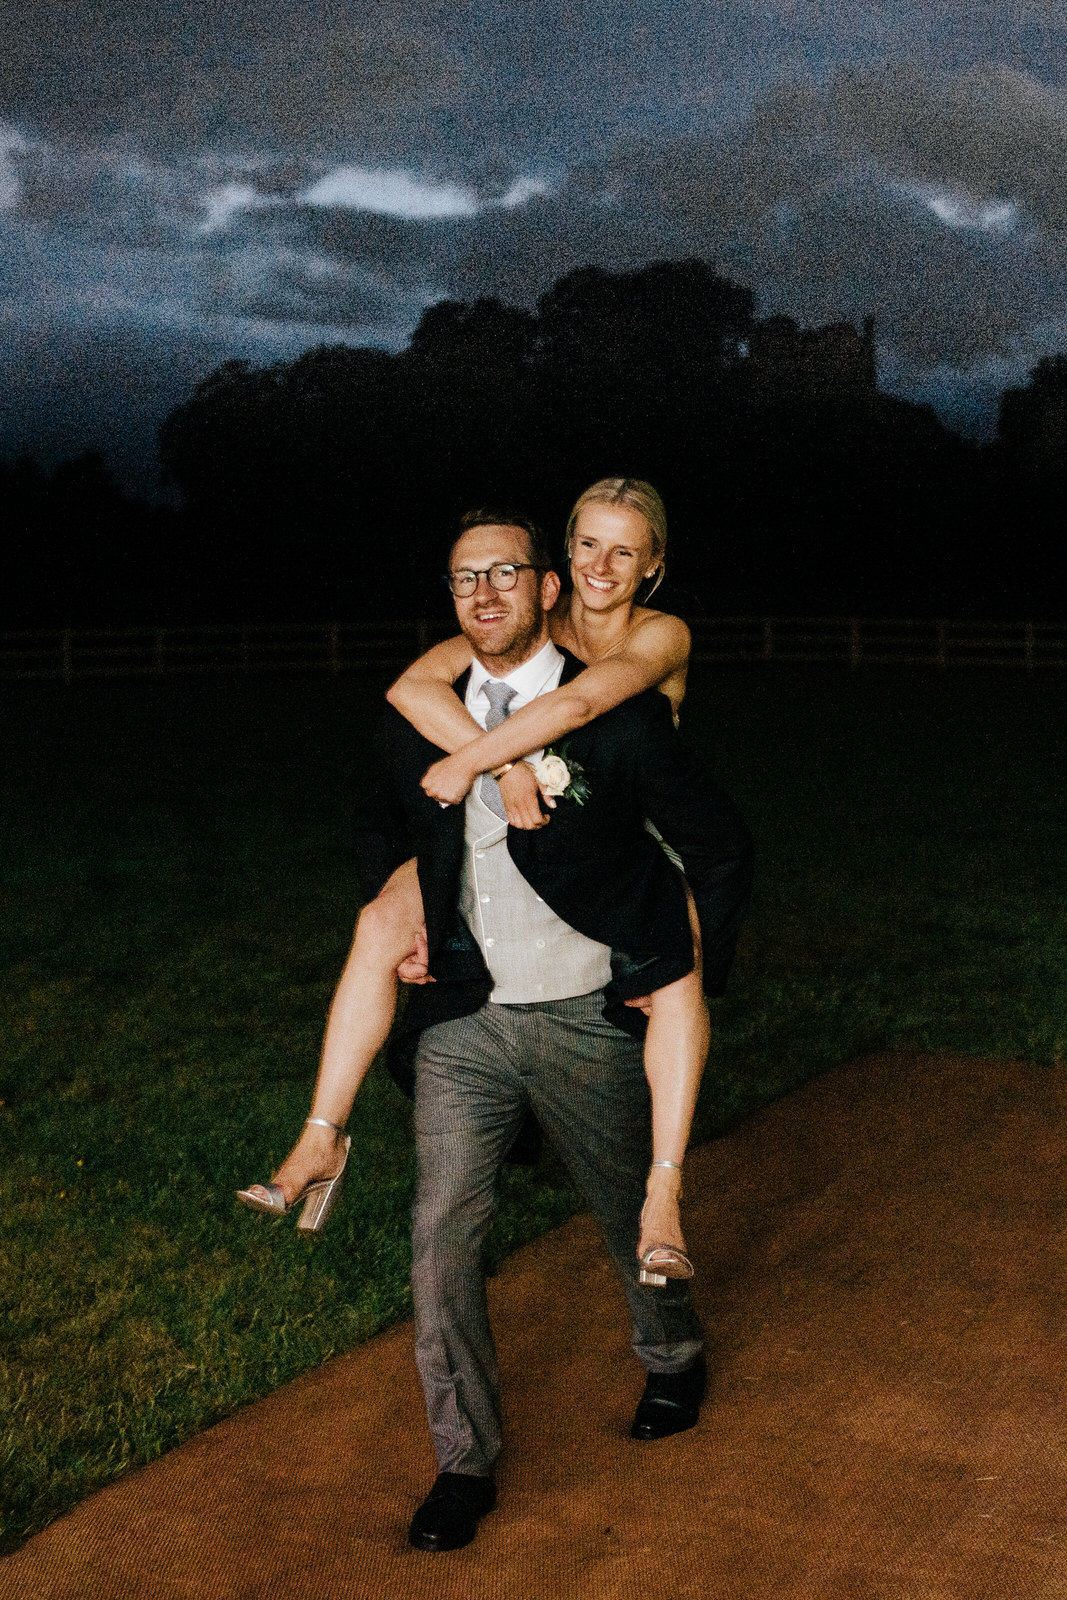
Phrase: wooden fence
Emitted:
{"points": [[342, 647]]}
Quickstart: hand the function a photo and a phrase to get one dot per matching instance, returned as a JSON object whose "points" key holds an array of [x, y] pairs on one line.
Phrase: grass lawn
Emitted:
{"points": [[177, 889]]}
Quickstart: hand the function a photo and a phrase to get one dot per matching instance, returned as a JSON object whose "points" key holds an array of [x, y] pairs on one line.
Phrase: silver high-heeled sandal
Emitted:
{"points": [[318, 1196], [661, 1262]]}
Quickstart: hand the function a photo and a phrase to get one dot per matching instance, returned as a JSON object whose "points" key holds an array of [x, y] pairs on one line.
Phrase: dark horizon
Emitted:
{"points": [[794, 485], [105, 421]]}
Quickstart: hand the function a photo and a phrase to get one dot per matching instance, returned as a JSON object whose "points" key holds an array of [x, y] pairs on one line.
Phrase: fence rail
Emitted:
{"points": [[341, 647], [858, 641]]}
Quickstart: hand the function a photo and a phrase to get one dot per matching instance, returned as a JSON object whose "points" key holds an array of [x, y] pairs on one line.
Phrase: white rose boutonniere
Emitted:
{"points": [[561, 777], [553, 774]]}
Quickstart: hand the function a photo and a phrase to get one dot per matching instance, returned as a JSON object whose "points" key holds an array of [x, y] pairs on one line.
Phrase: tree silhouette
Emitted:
{"points": [[791, 482], [1033, 419], [77, 550], [673, 322], [470, 339]]}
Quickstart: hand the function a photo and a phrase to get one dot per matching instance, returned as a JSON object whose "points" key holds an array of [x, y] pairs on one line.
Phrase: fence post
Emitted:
{"points": [[853, 642], [335, 655], [1028, 646], [67, 655], [768, 638], [942, 658], [158, 664]]}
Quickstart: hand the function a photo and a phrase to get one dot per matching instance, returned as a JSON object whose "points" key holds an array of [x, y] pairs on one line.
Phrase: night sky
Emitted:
{"points": [[183, 181]]}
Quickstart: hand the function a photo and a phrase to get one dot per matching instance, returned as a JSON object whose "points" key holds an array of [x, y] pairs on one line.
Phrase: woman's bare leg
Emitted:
{"points": [[676, 1048], [361, 1015]]}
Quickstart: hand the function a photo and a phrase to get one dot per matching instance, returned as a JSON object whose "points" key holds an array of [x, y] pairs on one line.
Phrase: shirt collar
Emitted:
{"points": [[529, 680]]}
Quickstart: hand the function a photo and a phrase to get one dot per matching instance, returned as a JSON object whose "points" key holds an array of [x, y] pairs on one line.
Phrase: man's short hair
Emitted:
{"points": [[504, 517]]}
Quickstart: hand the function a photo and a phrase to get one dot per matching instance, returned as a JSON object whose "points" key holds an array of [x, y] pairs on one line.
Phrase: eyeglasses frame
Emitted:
{"points": [[483, 572]]}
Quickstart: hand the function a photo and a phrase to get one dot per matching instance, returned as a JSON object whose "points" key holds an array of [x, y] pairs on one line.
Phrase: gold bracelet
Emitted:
{"points": [[498, 772]]}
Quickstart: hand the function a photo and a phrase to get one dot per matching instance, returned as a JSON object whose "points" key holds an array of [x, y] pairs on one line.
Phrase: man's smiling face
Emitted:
{"points": [[505, 627]]}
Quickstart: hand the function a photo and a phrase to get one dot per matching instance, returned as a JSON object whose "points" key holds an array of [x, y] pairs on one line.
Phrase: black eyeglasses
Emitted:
{"points": [[502, 575]]}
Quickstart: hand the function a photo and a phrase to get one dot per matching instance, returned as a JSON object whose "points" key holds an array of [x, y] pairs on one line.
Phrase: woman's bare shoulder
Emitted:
{"points": [[664, 641], [660, 630]]}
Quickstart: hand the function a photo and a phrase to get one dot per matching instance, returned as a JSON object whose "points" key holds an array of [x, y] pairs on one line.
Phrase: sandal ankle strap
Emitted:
{"points": [[321, 1122], [672, 1166]]}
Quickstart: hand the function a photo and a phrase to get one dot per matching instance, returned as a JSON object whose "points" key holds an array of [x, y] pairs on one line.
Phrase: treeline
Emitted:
{"points": [[325, 486], [76, 550]]}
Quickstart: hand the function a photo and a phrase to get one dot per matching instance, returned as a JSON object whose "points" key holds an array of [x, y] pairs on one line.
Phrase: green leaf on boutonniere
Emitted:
{"points": [[561, 776]]}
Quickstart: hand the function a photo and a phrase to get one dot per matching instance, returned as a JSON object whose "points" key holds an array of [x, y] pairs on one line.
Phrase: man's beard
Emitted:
{"points": [[519, 647]]}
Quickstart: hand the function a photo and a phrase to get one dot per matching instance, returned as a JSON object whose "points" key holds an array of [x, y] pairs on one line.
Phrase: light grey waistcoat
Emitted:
{"points": [[531, 953]]}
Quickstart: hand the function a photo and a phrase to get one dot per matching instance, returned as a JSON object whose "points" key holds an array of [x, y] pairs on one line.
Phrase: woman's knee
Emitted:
{"points": [[390, 919], [681, 1003]]}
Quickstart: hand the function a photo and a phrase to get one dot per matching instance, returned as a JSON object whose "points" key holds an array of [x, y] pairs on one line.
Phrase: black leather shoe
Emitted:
{"points": [[670, 1403], [448, 1517]]}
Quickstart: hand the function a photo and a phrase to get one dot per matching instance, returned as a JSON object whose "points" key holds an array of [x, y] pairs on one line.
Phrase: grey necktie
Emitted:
{"points": [[500, 695]]}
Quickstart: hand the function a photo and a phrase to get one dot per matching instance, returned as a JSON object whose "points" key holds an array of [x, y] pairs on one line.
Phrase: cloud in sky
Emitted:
{"points": [[380, 191], [958, 209], [399, 194], [253, 179], [400, 82], [223, 204], [12, 144], [391, 194]]}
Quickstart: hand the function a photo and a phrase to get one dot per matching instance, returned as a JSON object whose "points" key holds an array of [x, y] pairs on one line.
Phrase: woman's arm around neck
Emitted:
{"points": [[424, 695], [656, 653]]}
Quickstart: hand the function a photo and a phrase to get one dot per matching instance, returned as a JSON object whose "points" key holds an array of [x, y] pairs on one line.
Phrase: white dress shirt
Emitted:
{"points": [[536, 676], [531, 953]]}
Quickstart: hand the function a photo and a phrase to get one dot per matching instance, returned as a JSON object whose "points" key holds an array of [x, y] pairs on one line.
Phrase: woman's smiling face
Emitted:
{"points": [[611, 554]]}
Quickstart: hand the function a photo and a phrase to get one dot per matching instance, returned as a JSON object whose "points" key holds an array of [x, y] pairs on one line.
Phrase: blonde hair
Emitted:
{"points": [[640, 497]]}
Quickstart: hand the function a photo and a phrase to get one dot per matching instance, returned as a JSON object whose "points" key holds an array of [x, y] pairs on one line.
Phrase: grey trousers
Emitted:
{"points": [[475, 1077]]}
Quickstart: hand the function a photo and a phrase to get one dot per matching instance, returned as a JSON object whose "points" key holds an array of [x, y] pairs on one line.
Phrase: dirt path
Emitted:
{"points": [[883, 1258]]}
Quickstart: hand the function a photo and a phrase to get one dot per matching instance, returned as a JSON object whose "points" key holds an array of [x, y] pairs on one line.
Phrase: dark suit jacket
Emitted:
{"points": [[595, 865]]}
